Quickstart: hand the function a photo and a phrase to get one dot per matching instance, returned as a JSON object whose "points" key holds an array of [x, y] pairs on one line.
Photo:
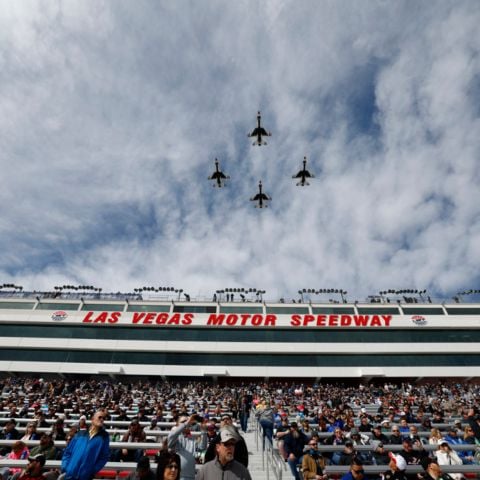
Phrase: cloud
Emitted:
{"points": [[111, 115]]}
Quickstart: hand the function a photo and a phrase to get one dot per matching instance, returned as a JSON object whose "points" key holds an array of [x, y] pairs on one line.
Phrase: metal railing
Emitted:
{"points": [[272, 461]]}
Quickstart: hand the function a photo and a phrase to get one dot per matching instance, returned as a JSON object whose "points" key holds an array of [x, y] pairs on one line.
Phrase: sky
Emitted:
{"points": [[112, 114]]}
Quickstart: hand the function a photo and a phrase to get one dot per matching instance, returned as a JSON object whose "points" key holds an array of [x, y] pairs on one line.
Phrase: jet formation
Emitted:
{"points": [[258, 133]]}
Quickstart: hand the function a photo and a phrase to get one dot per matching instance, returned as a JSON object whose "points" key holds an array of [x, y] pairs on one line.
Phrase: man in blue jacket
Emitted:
{"points": [[88, 451]]}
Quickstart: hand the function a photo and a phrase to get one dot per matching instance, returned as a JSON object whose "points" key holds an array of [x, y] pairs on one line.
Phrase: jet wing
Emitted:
{"points": [[254, 133], [263, 132]]}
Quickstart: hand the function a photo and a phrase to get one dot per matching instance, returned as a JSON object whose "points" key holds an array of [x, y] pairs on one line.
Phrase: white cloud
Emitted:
{"points": [[111, 114]]}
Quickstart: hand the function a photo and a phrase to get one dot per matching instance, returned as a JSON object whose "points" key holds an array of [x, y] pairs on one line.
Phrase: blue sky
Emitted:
{"points": [[112, 113]]}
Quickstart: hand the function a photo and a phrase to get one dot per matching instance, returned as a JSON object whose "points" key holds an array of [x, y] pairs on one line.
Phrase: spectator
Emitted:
{"points": [[433, 470], [244, 413], [168, 467], [412, 455], [378, 436], [397, 467], [143, 470], [265, 417], [380, 456], [19, 452], [241, 450], [338, 438], [9, 432], [224, 466], [88, 451], [134, 434], [396, 437], [356, 471], [293, 444], [58, 432], [313, 463], [469, 439], [180, 439], [282, 430], [33, 470], [45, 448], [30, 432], [446, 456], [473, 419], [348, 454], [435, 438]]}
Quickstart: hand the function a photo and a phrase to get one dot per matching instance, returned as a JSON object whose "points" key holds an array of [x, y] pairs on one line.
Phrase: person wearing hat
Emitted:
{"points": [[224, 466], [241, 450], [294, 443], [33, 471], [143, 470], [433, 470], [380, 456], [397, 467]]}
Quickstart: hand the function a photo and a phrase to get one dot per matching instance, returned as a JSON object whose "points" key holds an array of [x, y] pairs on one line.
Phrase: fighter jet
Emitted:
{"points": [[260, 197], [303, 174], [218, 176], [259, 132]]}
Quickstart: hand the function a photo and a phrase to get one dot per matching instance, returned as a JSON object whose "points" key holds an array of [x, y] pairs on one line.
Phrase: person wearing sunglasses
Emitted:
{"points": [[224, 466], [313, 462], [356, 470], [88, 451], [168, 466]]}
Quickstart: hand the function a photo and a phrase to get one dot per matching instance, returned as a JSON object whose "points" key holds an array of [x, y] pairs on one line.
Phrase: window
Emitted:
{"points": [[378, 310], [463, 311], [240, 310], [17, 305], [57, 306], [148, 308], [288, 310], [247, 359], [195, 308], [103, 307], [333, 310], [423, 310], [257, 335]]}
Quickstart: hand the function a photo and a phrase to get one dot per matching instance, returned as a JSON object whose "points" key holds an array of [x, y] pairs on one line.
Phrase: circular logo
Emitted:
{"points": [[59, 315], [419, 320]]}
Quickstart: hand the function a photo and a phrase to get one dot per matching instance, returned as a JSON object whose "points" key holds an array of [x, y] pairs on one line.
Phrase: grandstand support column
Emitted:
{"points": [[419, 379], [317, 380]]}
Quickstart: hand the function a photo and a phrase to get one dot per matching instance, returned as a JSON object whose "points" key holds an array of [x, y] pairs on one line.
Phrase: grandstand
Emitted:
{"points": [[124, 335]]}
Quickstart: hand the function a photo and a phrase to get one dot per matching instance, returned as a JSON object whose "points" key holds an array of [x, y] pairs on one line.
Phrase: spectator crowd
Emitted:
{"points": [[313, 426]]}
